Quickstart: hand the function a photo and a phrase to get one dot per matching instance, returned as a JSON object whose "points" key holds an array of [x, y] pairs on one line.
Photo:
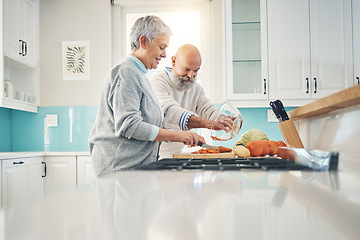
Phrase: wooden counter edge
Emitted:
{"points": [[342, 99]]}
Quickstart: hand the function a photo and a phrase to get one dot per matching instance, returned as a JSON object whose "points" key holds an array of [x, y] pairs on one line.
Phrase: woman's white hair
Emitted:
{"points": [[149, 26]]}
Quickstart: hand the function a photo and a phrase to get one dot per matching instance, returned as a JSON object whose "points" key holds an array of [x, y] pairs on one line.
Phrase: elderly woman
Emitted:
{"points": [[130, 122]]}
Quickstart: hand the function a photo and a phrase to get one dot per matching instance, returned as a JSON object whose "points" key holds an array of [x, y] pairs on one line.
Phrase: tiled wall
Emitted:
{"points": [[23, 131], [5, 130]]}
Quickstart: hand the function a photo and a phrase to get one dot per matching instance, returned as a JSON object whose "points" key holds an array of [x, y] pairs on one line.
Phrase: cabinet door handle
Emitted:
{"points": [[315, 85], [358, 80], [264, 86], [21, 45], [25, 49], [44, 169], [18, 163], [307, 85]]}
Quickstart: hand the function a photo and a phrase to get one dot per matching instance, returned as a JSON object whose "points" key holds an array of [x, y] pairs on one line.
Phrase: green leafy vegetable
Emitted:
{"points": [[253, 134]]}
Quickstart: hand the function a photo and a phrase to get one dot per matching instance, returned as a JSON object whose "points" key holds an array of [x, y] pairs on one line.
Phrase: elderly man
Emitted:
{"points": [[182, 99]]}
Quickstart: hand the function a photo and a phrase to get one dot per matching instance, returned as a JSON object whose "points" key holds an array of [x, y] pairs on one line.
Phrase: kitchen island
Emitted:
{"points": [[197, 205]]}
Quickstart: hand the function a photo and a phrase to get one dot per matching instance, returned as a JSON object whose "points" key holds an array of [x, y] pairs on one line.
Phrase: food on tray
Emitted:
{"points": [[281, 144], [257, 143], [274, 147], [241, 151], [205, 151], [208, 150], [256, 148], [266, 148], [224, 149], [253, 134], [263, 148]]}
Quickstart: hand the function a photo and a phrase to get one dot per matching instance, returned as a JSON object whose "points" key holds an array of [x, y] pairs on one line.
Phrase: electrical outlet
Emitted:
{"points": [[51, 120], [271, 116]]}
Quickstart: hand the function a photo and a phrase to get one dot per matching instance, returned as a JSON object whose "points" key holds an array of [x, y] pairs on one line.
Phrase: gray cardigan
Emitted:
{"points": [[127, 114]]}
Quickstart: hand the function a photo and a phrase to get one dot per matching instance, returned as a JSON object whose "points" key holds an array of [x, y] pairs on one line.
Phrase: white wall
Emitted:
{"points": [[73, 20], [77, 20], [217, 28]]}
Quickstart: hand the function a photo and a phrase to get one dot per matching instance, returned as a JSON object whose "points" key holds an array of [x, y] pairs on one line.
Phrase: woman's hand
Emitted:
{"points": [[190, 138]]}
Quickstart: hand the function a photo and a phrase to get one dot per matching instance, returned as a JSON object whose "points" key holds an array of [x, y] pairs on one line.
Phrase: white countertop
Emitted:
{"points": [[8, 155], [196, 205]]}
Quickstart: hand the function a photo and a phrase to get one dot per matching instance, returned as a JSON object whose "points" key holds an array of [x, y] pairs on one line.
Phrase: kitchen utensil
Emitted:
{"points": [[207, 146], [227, 111], [276, 111], [279, 111]]}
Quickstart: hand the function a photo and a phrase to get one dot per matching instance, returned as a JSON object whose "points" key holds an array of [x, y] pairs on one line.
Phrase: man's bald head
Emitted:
{"points": [[187, 61]]}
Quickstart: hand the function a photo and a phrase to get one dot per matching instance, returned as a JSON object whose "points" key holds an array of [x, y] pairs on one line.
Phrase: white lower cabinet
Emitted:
{"points": [[85, 172], [31, 178], [60, 174], [22, 180]]}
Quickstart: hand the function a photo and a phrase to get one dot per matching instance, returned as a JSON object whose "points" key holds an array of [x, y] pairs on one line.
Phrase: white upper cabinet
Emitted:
{"points": [[356, 39], [21, 30], [246, 54], [310, 48], [293, 50], [19, 72]]}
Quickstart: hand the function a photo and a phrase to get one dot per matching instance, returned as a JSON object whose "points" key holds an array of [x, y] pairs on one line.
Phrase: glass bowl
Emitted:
{"points": [[227, 111]]}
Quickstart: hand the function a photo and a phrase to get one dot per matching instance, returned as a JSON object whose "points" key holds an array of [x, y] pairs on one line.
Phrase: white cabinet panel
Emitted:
{"points": [[289, 49], [310, 48], [36, 175], [22, 180], [85, 172], [331, 46], [21, 30], [61, 174], [11, 18]]}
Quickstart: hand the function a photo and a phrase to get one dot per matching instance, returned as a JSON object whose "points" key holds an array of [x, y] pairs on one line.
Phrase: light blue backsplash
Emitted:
{"points": [[72, 133], [24, 131], [5, 130]]}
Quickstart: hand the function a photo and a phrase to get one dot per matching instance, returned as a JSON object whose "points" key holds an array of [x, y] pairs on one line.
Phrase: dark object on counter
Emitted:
{"points": [[225, 164], [289, 159], [279, 110]]}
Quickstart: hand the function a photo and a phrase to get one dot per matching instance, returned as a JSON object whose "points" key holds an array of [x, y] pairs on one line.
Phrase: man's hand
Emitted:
{"points": [[223, 123]]}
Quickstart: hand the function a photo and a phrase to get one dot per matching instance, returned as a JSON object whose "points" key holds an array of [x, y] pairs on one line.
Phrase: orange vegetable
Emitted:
{"points": [[255, 147], [266, 147], [205, 151], [224, 149], [281, 144], [274, 148]]}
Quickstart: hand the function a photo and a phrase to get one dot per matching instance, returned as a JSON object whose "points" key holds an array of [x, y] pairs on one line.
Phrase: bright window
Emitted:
{"points": [[188, 20], [185, 27]]}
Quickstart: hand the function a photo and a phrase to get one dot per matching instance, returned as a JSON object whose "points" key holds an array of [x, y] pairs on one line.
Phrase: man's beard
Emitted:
{"points": [[181, 82]]}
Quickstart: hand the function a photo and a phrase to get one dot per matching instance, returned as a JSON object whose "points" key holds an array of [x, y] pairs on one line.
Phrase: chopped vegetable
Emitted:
{"points": [[241, 151]]}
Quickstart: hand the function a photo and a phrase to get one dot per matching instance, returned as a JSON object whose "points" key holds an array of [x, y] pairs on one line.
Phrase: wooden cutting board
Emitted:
{"points": [[208, 155]]}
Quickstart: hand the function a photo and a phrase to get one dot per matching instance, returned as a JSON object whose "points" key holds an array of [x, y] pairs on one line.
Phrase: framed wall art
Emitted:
{"points": [[76, 65]]}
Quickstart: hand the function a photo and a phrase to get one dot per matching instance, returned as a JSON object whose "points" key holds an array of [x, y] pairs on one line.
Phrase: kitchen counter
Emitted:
{"points": [[198, 205], [8, 155]]}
